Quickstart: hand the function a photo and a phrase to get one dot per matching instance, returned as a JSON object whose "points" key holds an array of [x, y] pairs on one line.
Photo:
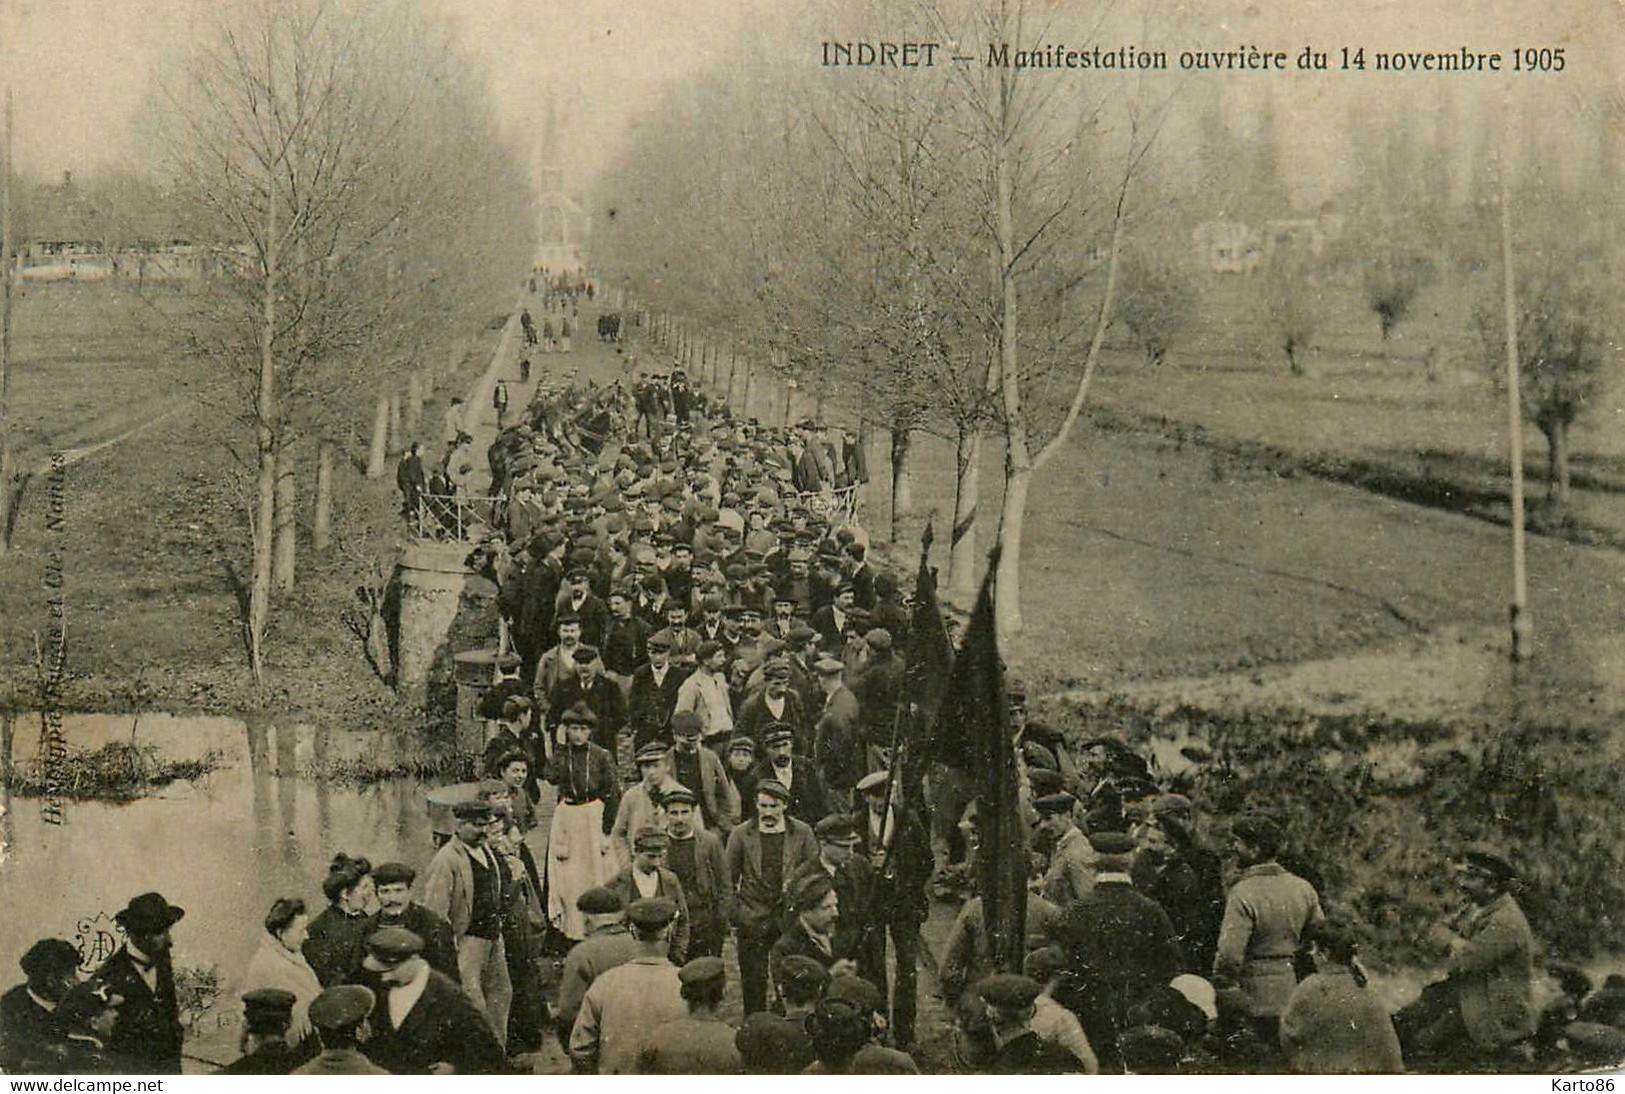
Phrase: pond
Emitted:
{"points": [[223, 847]]}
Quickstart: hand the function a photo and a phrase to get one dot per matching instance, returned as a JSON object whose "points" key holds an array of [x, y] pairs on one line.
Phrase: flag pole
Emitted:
{"points": [[894, 771]]}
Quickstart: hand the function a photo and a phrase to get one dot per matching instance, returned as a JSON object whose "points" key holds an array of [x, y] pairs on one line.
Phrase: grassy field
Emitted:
{"points": [[155, 526]]}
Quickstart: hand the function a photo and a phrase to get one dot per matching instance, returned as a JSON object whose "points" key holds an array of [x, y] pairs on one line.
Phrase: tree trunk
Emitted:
{"points": [[321, 532], [397, 442], [376, 452], [259, 594], [414, 403], [902, 486], [733, 363], [744, 398], [1018, 466], [1012, 519], [1557, 467], [287, 522], [962, 557]]}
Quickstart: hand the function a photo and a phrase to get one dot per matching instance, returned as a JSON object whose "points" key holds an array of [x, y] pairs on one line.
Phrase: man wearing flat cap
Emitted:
{"points": [[338, 1014], [627, 1002], [267, 1018], [598, 692], [705, 693], [642, 802], [1119, 946], [773, 1044], [1174, 869], [396, 908], [1483, 1005], [764, 855], [148, 1030], [774, 703], [609, 943], [701, 1043], [1072, 864], [647, 878], [465, 882], [422, 1023], [808, 800], [86, 1015], [700, 861], [1009, 1005], [861, 929], [1266, 914], [838, 746], [27, 1012], [701, 770], [894, 841], [653, 694], [816, 910]]}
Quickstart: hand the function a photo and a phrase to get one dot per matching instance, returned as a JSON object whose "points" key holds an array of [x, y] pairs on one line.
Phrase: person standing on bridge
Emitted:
{"points": [[499, 402], [411, 480]]}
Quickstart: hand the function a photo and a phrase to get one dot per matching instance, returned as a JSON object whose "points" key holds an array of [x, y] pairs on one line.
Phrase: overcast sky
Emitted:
{"points": [[81, 69]]}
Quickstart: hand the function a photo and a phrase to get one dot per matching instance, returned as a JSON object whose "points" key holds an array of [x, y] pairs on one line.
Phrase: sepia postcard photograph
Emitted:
{"points": [[858, 537]]}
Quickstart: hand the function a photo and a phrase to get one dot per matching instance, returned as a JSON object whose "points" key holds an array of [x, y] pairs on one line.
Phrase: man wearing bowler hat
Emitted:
{"points": [[424, 1024], [28, 1022], [148, 1030]]}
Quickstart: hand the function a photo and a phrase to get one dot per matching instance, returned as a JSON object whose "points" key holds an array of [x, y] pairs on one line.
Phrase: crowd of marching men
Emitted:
{"points": [[703, 724]]}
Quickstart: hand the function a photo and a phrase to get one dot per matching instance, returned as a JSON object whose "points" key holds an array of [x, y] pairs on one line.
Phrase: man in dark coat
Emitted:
{"points": [[808, 801], [812, 929], [600, 694], [578, 598], [774, 702], [267, 1014], [861, 930], [1019, 1050], [895, 843], [425, 1024], [653, 696], [1184, 877], [838, 746], [535, 592], [28, 1023], [410, 478], [148, 1030], [1119, 946], [763, 855], [878, 687], [396, 908]]}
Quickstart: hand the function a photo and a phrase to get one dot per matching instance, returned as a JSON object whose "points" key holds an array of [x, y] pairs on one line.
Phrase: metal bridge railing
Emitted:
{"points": [[459, 517]]}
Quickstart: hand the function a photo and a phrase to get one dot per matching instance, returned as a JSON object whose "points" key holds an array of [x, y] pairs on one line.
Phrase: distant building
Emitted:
{"points": [[562, 224], [1228, 246]]}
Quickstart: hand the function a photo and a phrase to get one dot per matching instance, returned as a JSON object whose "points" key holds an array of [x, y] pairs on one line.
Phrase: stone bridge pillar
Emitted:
{"points": [[432, 581]]}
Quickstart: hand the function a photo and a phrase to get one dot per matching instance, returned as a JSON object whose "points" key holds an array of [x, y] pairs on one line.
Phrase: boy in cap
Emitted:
{"points": [[28, 1020], [702, 1043], [425, 1025], [337, 1014], [627, 1002], [641, 803], [647, 878]]}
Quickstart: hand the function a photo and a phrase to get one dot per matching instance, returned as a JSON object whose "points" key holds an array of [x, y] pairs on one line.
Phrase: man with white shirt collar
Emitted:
{"points": [[647, 878], [808, 802], [148, 1030], [464, 883], [424, 1024]]}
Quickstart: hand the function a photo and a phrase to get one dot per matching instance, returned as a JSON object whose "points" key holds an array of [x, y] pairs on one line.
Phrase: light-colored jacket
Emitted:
{"points": [[707, 695], [1333, 1026], [619, 1012], [1492, 966], [448, 885], [1264, 919], [273, 966]]}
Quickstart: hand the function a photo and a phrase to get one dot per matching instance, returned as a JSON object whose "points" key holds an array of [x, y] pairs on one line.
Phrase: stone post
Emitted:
{"points": [[432, 580]]}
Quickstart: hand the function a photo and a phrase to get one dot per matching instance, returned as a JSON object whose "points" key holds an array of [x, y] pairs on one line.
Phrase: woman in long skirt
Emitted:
{"points": [[578, 845], [564, 335]]}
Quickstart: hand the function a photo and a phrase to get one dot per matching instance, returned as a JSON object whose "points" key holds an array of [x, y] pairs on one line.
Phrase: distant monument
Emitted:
{"points": [[561, 222]]}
